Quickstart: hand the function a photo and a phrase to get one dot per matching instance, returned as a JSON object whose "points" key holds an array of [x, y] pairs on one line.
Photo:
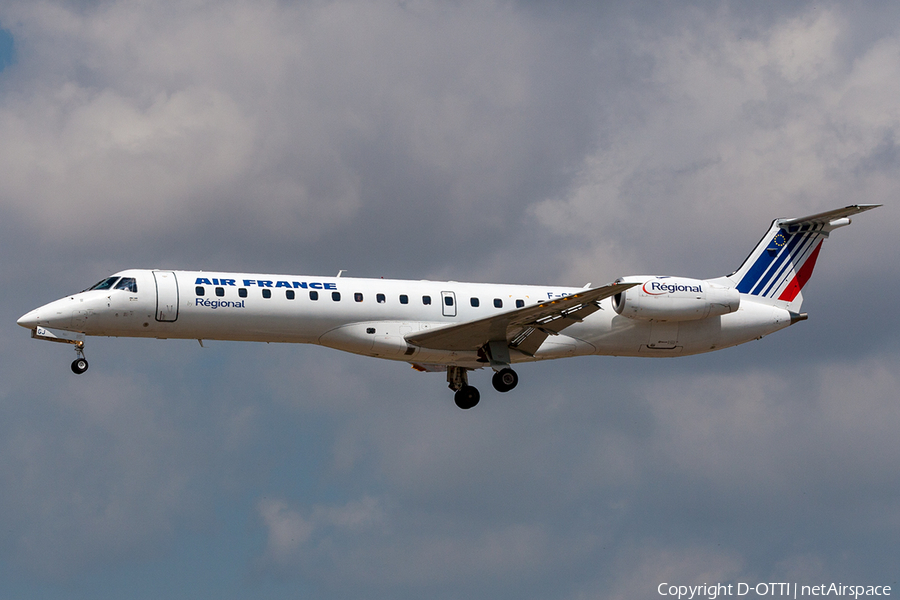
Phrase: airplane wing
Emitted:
{"points": [[524, 329]]}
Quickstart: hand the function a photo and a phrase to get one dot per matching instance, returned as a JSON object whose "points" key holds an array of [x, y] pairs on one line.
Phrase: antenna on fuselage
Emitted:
{"points": [[341, 271]]}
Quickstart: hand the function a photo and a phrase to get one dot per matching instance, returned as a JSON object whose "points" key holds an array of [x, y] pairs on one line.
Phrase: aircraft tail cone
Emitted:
{"points": [[795, 317]]}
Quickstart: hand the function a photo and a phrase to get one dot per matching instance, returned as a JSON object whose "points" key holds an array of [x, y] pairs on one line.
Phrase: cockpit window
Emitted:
{"points": [[128, 284], [105, 284]]}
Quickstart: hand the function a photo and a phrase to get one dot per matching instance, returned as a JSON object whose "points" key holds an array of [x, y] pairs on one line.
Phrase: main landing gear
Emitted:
{"points": [[467, 396], [80, 364], [504, 380]]}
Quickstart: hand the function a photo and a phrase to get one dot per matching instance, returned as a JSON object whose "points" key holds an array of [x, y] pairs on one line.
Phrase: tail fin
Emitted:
{"points": [[783, 261]]}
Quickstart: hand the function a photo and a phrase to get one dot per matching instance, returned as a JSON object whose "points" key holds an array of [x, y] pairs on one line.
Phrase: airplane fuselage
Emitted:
{"points": [[373, 316]]}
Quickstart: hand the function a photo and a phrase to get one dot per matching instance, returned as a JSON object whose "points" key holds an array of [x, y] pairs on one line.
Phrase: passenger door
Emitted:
{"points": [[166, 296]]}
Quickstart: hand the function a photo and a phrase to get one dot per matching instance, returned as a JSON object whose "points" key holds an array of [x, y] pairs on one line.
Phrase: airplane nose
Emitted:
{"points": [[28, 321]]}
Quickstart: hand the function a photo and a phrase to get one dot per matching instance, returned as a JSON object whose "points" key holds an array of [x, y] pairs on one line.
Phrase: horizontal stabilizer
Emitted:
{"points": [[826, 218]]}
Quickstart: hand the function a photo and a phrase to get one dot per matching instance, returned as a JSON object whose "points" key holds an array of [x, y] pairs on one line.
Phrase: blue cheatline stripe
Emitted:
{"points": [[758, 268], [797, 258], [784, 256]]}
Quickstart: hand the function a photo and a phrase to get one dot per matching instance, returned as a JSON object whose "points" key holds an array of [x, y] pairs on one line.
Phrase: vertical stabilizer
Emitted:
{"points": [[783, 261]]}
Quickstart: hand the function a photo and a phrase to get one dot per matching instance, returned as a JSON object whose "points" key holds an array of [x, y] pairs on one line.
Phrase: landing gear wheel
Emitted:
{"points": [[467, 397], [79, 366], [505, 380]]}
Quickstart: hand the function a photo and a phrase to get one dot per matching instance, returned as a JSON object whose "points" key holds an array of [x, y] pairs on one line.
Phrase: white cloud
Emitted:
{"points": [[287, 531], [739, 129], [161, 113], [363, 545], [105, 160]]}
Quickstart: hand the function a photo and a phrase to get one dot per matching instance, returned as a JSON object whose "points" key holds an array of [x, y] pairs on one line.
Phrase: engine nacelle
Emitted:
{"points": [[674, 299]]}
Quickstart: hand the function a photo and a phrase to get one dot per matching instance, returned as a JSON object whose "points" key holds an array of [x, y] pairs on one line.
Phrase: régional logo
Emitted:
{"points": [[656, 288]]}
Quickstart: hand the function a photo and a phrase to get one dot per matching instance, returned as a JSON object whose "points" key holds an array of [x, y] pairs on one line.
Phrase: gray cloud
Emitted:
{"points": [[303, 121]]}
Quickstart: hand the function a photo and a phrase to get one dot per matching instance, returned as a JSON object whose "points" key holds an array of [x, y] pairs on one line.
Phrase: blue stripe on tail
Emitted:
{"points": [[784, 264], [775, 250], [786, 250], [794, 259]]}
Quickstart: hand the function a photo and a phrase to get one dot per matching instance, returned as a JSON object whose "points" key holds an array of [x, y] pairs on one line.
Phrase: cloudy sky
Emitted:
{"points": [[525, 142]]}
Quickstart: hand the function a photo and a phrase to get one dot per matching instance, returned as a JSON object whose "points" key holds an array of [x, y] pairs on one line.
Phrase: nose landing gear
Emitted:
{"points": [[80, 364]]}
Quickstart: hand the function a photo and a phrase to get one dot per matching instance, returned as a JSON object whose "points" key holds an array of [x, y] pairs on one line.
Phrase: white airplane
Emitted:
{"points": [[456, 327]]}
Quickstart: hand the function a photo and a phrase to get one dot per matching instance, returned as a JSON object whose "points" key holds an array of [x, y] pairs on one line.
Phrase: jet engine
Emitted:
{"points": [[674, 299]]}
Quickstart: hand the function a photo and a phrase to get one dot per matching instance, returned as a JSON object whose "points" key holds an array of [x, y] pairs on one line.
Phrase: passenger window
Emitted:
{"points": [[336, 296], [128, 284], [358, 296], [498, 303], [426, 300], [474, 302], [404, 299], [267, 293], [379, 298], [313, 295], [199, 290], [448, 300], [520, 303], [220, 292], [242, 292], [105, 284], [289, 294]]}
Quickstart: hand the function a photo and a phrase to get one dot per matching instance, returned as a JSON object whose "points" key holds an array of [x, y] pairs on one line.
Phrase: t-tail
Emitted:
{"points": [[783, 261]]}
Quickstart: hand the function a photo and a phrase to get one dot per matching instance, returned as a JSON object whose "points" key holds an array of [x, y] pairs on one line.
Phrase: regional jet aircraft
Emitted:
{"points": [[456, 327]]}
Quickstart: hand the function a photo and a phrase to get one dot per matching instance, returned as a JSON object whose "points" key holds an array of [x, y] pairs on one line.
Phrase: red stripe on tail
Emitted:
{"points": [[802, 276]]}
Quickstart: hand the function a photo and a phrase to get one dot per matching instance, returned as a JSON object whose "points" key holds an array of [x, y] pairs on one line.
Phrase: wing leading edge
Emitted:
{"points": [[523, 329]]}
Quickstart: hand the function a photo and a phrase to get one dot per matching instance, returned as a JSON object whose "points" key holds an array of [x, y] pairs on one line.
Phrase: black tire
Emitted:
{"points": [[467, 397], [504, 380], [79, 366]]}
